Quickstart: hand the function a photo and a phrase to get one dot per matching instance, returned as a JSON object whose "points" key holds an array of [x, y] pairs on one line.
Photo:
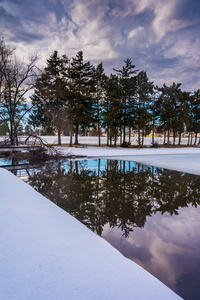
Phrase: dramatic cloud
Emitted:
{"points": [[161, 37]]}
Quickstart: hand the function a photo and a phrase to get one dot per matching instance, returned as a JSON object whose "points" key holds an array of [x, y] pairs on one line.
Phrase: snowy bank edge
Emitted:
{"points": [[41, 259]]}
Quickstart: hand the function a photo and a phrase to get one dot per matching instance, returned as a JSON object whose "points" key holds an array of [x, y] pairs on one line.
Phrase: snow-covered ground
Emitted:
{"points": [[47, 254], [92, 140]]}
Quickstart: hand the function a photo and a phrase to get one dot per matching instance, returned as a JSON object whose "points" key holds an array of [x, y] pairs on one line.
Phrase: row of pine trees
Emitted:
{"points": [[72, 93]]}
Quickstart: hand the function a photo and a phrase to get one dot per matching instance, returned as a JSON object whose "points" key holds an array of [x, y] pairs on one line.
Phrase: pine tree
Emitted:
{"points": [[195, 114], [170, 109], [182, 113], [112, 108], [127, 85], [50, 96], [80, 105], [144, 92], [154, 114], [98, 82]]}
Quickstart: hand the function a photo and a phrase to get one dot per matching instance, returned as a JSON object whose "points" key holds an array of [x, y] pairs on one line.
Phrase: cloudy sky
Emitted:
{"points": [[162, 37]]}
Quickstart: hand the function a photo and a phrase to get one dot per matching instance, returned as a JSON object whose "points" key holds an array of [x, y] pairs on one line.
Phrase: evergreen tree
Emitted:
{"points": [[182, 112], [171, 109], [112, 108], [50, 96], [127, 85], [80, 105], [195, 114], [144, 92], [98, 81], [154, 114]]}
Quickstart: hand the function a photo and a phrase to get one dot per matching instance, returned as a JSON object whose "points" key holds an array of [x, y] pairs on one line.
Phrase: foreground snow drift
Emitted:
{"points": [[47, 254]]}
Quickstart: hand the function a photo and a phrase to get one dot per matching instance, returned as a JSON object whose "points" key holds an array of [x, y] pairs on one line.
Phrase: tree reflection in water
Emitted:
{"points": [[120, 194]]}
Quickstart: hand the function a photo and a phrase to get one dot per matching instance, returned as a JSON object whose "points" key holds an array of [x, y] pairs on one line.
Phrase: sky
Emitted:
{"points": [[161, 37]]}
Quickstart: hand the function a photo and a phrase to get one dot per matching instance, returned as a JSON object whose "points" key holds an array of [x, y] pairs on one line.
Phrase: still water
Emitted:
{"points": [[151, 215]]}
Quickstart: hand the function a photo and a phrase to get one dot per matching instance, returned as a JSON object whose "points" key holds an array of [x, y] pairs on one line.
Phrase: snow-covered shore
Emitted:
{"points": [[48, 254]]}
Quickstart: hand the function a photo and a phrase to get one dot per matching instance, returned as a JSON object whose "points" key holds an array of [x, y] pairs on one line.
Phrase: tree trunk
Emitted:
{"points": [[15, 137], [76, 135], [99, 134], [59, 137], [142, 136], [179, 139], [164, 138], [168, 138], [124, 137], [153, 133], [188, 138], [129, 136], [16, 140], [115, 143], [12, 138], [195, 141], [71, 134], [191, 138], [139, 136], [174, 137]]}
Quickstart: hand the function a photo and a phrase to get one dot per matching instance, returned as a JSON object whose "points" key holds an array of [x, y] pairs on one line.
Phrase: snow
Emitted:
{"points": [[93, 140], [47, 254], [186, 159]]}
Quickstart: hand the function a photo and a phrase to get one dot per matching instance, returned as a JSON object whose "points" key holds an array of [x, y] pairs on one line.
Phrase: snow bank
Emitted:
{"points": [[47, 254]]}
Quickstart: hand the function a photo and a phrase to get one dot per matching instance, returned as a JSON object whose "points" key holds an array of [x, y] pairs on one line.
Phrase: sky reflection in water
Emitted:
{"points": [[168, 247], [149, 214]]}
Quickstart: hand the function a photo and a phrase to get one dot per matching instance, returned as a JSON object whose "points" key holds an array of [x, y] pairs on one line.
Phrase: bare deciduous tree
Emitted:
{"points": [[17, 78]]}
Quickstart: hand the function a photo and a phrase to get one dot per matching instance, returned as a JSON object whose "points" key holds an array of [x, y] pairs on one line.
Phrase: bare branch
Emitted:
{"points": [[17, 78]]}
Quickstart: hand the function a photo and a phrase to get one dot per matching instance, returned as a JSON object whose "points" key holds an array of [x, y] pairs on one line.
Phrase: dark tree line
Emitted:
{"points": [[72, 95]]}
